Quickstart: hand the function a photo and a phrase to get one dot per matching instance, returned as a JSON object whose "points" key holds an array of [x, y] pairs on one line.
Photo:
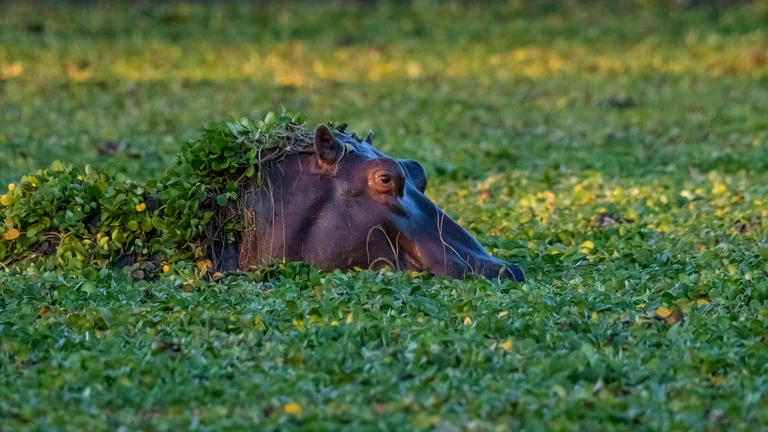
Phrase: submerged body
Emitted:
{"points": [[347, 205]]}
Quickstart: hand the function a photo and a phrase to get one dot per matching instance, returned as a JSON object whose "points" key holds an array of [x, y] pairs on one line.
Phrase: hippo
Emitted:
{"points": [[343, 204]]}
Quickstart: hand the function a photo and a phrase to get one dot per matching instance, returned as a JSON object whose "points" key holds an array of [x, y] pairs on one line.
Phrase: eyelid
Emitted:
{"points": [[381, 186]]}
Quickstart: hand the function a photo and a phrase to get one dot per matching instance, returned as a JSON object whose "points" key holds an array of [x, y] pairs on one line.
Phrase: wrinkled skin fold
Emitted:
{"points": [[347, 205]]}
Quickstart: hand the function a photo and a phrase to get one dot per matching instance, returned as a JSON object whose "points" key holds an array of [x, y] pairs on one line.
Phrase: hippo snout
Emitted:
{"points": [[512, 272], [492, 268], [481, 264]]}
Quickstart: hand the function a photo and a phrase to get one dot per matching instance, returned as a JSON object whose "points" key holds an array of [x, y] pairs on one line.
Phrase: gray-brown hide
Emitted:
{"points": [[347, 205]]}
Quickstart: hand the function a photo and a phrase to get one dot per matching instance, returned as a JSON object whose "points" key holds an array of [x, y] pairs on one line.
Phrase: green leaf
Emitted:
{"points": [[250, 171]]}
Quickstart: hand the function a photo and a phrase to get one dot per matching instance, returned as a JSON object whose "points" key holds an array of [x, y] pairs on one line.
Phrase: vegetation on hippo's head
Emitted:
{"points": [[199, 195], [230, 150], [65, 216]]}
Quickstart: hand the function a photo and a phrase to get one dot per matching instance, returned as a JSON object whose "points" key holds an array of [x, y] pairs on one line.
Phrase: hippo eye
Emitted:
{"points": [[384, 181]]}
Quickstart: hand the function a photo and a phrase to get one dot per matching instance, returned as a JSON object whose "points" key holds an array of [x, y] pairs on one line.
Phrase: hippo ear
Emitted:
{"points": [[327, 148], [416, 173]]}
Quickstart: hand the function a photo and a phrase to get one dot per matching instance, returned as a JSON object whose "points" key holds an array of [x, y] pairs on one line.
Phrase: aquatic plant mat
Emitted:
{"points": [[617, 150]]}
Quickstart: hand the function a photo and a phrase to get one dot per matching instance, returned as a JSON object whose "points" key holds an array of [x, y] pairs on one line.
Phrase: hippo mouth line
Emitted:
{"points": [[411, 258], [407, 261], [455, 265]]}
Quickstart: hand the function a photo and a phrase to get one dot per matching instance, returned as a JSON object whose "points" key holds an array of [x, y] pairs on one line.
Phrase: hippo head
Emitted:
{"points": [[347, 205]]}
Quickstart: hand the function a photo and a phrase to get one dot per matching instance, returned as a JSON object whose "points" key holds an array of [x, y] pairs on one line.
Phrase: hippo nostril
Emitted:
{"points": [[513, 272], [502, 270]]}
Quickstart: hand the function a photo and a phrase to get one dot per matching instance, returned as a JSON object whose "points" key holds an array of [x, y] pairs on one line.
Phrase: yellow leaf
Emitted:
{"points": [[5, 200], [467, 321], [413, 69], [258, 322], [507, 345], [78, 72], [292, 408], [663, 312], [503, 314], [203, 265], [11, 187], [141, 207], [334, 323], [702, 301], [11, 70], [350, 318], [12, 234]]}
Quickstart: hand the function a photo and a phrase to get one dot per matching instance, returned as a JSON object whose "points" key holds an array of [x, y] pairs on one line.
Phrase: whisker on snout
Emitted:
{"points": [[385, 261], [395, 248]]}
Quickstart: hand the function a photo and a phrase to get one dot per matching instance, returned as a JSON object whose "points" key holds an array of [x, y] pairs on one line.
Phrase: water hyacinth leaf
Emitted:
{"points": [[300, 118]]}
